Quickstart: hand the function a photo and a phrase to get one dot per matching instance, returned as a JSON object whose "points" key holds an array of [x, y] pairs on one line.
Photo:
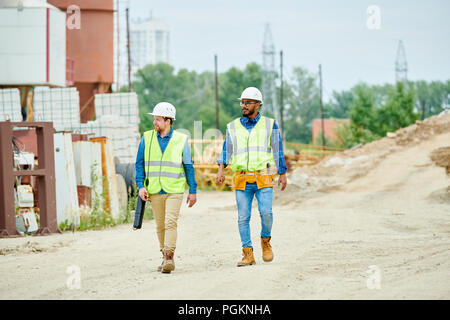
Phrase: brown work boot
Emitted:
{"points": [[267, 253], [248, 258], [162, 262], [168, 263]]}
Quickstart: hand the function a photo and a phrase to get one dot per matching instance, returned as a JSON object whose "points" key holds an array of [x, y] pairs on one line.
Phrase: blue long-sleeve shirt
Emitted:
{"points": [[275, 142], [187, 163]]}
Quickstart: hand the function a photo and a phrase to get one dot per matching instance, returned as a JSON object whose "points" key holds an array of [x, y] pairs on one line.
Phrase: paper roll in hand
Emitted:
{"points": [[139, 213]]}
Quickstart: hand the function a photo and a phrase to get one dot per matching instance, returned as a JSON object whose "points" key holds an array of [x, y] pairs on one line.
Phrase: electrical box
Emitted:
{"points": [[25, 196], [24, 158]]}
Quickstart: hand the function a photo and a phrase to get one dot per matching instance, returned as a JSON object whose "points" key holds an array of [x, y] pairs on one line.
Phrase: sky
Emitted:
{"points": [[334, 34]]}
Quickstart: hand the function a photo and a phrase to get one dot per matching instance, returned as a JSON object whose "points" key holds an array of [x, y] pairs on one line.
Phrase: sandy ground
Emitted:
{"points": [[325, 246]]}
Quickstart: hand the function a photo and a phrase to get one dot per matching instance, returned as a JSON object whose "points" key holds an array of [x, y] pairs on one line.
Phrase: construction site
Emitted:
{"points": [[68, 145]]}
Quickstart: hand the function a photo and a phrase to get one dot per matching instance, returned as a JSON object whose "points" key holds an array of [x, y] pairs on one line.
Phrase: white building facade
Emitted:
{"points": [[149, 44]]}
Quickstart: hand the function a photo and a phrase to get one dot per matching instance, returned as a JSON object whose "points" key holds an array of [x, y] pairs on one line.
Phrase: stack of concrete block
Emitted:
{"points": [[123, 104], [59, 105], [124, 138], [10, 105], [118, 118]]}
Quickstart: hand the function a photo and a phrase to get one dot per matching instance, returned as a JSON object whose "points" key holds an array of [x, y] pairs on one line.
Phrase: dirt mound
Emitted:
{"points": [[441, 158], [353, 164]]}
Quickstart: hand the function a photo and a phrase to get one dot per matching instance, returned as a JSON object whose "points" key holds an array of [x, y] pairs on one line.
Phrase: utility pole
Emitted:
{"points": [[281, 97], [268, 76], [118, 45], [217, 92], [321, 106], [128, 50], [401, 66]]}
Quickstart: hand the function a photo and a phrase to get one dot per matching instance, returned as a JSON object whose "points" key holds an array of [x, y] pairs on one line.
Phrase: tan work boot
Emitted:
{"points": [[168, 263], [162, 262], [267, 253], [248, 258]]}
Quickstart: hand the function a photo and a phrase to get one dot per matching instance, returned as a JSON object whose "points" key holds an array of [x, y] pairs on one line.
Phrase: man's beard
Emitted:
{"points": [[247, 114]]}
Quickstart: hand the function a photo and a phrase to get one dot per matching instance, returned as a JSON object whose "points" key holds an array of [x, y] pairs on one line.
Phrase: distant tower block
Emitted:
{"points": [[401, 66], [268, 76]]}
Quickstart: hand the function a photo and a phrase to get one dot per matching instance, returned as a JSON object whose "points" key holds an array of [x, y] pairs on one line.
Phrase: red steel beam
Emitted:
{"points": [[45, 178]]}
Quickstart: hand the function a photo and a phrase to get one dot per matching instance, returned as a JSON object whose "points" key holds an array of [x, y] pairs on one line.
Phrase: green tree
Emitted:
{"points": [[154, 83], [192, 94], [422, 97], [373, 110], [350, 135], [233, 82], [397, 113], [302, 105], [339, 106], [362, 108]]}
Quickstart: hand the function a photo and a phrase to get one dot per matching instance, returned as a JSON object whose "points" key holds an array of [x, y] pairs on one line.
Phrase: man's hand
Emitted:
{"points": [[282, 180], [220, 176], [143, 194], [191, 199]]}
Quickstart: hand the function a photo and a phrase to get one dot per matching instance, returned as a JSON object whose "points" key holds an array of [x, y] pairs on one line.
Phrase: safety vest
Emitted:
{"points": [[164, 170], [251, 150]]}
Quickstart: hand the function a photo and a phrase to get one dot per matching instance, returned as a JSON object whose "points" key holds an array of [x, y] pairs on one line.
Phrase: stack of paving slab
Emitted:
{"points": [[119, 114], [59, 105], [10, 105], [117, 118]]}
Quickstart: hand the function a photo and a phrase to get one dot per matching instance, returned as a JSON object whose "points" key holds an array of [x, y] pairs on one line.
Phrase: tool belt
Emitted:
{"points": [[263, 179]]}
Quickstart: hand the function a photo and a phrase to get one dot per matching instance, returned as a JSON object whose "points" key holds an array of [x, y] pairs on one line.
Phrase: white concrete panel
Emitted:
{"points": [[67, 208], [23, 46], [57, 44]]}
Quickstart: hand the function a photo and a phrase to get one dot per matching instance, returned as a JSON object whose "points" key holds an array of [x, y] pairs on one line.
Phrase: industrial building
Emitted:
{"points": [[57, 63]]}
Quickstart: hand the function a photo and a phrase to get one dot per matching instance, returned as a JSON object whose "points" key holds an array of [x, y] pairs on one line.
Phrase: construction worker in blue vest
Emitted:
{"points": [[254, 144], [163, 166]]}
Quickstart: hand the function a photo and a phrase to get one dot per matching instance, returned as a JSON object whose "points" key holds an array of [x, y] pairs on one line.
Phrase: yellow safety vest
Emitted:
{"points": [[164, 170], [251, 150]]}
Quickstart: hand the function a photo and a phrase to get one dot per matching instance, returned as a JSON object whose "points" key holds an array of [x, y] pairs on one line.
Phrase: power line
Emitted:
{"points": [[268, 74], [217, 91], [281, 96], [401, 66], [321, 106], [128, 51]]}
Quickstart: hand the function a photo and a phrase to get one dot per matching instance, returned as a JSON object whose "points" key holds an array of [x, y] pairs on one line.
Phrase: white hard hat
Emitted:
{"points": [[251, 93], [164, 109]]}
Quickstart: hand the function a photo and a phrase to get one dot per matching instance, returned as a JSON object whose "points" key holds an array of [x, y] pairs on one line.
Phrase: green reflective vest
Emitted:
{"points": [[251, 150], [164, 170]]}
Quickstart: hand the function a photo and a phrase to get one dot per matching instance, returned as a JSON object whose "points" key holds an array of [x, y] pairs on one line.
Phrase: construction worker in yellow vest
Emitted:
{"points": [[163, 166], [255, 146]]}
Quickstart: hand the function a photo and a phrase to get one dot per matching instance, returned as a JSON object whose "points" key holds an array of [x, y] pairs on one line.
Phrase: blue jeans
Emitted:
{"points": [[244, 199]]}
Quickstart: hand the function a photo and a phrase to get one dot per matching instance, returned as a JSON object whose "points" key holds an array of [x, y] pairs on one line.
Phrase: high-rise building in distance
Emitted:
{"points": [[149, 44]]}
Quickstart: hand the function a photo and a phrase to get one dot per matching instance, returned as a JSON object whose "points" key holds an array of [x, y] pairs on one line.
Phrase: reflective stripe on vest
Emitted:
{"points": [[164, 170], [251, 150]]}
